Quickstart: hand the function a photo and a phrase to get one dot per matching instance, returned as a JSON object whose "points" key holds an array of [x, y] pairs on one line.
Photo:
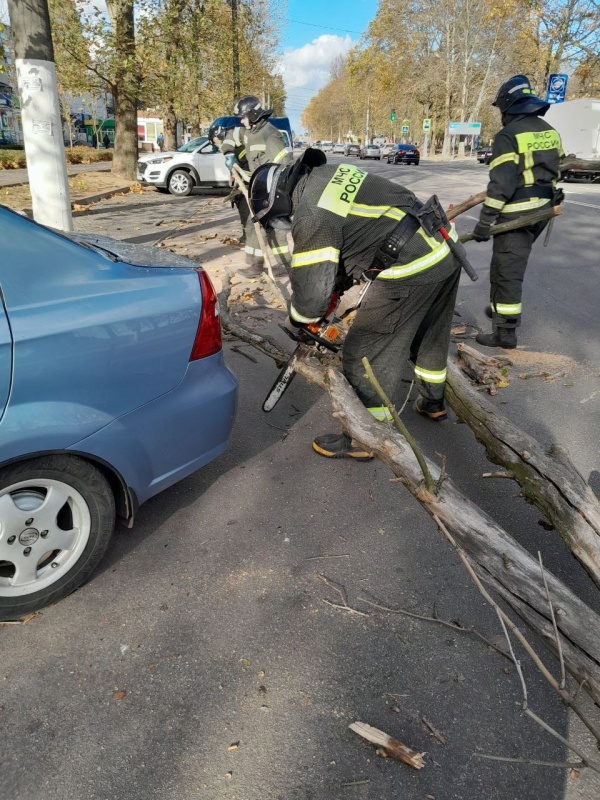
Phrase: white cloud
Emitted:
{"points": [[305, 70]]}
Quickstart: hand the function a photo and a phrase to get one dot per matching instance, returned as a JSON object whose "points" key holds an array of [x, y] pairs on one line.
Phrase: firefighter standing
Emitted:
{"points": [[229, 141], [343, 222], [263, 143], [524, 169]]}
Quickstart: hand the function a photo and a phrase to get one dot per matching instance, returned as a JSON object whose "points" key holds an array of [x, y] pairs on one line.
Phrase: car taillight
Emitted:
{"points": [[417, 152], [208, 336]]}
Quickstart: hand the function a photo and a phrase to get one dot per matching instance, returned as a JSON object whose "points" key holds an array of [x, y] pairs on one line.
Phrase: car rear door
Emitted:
{"points": [[6, 351], [210, 164]]}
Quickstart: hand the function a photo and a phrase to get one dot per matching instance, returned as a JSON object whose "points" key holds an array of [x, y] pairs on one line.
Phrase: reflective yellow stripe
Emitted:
{"points": [[252, 251], [503, 159], [242, 154], [507, 309], [277, 251], [229, 141], [395, 213], [526, 205], [299, 318], [315, 257], [361, 210], [430, 375], [493, 203], [382, 413], [528, 169], [261, 147], [339, 193], [537, 141], [418, 265], [280, 155]]}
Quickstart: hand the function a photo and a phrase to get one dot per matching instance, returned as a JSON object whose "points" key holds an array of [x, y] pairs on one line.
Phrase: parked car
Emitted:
{"points": [[339, 148], [404, 154], [371, 151], [484, 156], [326, 147], [197, 163], [112, 388], [387, 148], [352, 150]]}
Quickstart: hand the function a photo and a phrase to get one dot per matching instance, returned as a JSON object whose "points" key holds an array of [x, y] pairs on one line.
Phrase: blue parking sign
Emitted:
{"points": [[557, 88]]}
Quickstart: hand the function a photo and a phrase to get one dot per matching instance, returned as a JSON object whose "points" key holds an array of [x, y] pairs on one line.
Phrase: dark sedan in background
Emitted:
{"points": [[404, 154], [484, 156]]}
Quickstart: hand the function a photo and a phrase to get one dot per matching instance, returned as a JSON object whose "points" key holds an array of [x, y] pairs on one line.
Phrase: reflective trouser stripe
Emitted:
{"points": [[315, 257], [503, 159], [526, 205], [229, 141], [381, 413], [259, 147], [252, 251], [491, 202], [430, 375], [278, 251], [241, 154], [418, 265], [507, 309], [295, 315]]}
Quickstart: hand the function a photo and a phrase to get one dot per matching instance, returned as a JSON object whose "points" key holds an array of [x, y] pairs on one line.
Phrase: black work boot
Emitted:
{"points": [[339, 445], [432, 409], [500, 337]]}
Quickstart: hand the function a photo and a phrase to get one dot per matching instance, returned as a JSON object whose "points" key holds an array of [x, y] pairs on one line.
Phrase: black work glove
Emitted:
{"points": [[481, 232]]}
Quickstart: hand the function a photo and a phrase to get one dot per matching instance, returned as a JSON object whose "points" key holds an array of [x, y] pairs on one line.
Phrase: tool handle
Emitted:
{"points": [[458, 251]]}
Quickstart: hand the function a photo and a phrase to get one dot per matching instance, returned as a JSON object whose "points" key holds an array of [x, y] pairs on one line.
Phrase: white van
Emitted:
{"points": [[326, 147]]}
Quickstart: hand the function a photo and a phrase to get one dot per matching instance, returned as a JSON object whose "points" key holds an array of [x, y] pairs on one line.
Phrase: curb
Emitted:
{"points": [[89, 200]]}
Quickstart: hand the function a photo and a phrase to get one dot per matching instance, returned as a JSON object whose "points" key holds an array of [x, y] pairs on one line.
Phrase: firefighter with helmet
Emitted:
{"points": [[229, 141], [524, 169], [263, 143], [345, 224]]}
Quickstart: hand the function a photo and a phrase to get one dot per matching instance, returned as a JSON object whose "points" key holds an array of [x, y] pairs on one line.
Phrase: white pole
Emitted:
{"points": [[40, 114]]}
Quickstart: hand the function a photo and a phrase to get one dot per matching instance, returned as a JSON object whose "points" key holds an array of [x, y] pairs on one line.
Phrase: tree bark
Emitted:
{"points": [[497, 558], [125, 90], [170, 127]]}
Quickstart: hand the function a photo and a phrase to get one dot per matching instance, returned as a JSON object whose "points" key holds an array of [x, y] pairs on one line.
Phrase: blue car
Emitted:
{"points": [[112, 388]]}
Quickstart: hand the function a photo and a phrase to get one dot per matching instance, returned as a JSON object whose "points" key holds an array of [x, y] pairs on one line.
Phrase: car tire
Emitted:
{"points": [[57, 515], [181, 183]]}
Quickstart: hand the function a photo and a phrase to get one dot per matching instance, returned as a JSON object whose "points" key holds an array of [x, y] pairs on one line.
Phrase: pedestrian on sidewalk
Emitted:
{"points": [[160, 141], [524, 169], [106, 141], [347, 224]]}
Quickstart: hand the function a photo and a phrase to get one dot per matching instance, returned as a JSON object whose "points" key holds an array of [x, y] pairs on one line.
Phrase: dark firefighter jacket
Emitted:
{"points": [[265, 144], [523, 169], [234, 143], [341, 215]]}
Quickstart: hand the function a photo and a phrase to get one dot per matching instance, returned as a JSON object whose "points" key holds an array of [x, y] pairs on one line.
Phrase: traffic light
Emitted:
{"points": [[393, 115]]}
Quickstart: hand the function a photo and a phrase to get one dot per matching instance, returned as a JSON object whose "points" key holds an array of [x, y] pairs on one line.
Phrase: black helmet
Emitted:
{"points": [[516, 96], [249, 106], [217, 132], [271, 186]]}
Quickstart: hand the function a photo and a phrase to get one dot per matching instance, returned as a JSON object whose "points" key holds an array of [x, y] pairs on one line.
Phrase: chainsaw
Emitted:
{"points": [[325, 335]]}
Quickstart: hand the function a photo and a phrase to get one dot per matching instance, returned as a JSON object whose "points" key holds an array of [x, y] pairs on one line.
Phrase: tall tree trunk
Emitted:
{"points": [[170, 122], [125, 90]]}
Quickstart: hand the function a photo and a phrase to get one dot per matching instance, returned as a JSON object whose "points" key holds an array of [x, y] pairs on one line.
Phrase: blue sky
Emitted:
{"points": [[316, 32]]}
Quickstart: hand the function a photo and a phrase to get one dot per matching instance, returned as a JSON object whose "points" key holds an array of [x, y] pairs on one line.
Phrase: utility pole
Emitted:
{"points": [[40, 113], [367, 125], [235, 50]]}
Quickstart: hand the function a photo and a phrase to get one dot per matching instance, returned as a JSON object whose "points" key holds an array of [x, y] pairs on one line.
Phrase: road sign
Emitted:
{"points": [[557, 88], [405, 129], [465, 128], [426, 124]]}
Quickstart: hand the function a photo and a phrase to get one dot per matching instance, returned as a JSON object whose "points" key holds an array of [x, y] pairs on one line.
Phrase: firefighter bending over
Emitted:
{"points": [[344, 220]]}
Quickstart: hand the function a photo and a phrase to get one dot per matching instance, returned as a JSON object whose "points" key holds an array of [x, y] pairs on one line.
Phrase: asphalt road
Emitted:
{"points": [[214, 616]]}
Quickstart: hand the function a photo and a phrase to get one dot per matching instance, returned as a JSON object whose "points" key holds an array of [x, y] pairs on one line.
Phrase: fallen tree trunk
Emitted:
{"points": [[497, 558], [549, 479]]}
